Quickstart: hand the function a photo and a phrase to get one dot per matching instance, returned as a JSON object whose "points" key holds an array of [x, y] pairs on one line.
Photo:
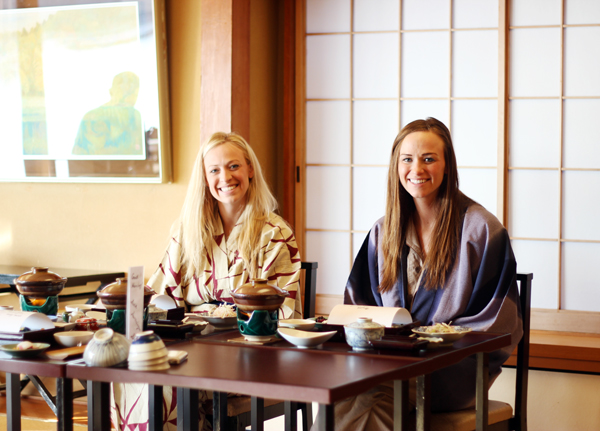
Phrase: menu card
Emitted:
{"points": [[13, 320], [343, 314], [135, 301]]}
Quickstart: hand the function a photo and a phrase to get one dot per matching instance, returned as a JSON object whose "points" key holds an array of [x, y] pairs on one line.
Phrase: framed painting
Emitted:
{"points": [[84, 91]]}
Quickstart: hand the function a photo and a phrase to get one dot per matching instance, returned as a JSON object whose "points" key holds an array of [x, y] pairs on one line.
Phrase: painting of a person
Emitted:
{"points": [[443, 257], [115, 128]]}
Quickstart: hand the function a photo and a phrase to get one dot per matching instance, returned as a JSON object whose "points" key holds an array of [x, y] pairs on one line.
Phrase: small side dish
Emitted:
{"points": [[25, 351], [441, 333]]}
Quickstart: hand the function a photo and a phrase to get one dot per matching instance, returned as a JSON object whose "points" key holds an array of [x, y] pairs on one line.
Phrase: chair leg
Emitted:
{"points": [[307, 416]]}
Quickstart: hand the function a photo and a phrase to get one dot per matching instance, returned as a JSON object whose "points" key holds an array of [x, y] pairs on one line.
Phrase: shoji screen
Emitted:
{"points": [[373, 66], [554, 163]]}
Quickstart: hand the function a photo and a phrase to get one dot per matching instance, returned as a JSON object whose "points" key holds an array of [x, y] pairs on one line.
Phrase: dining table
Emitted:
{"points": [[221, 363], [39, 367]]}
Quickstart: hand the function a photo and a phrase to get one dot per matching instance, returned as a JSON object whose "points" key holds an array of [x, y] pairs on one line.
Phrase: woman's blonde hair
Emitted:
{"points": [[400, 208], [200, 219]]}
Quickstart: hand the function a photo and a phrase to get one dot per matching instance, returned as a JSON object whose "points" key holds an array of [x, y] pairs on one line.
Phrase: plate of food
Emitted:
{"points": [[442, 334], [222, 317], [24, 349]]}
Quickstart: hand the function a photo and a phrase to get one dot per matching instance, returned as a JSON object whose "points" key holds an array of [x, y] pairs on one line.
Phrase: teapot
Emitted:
{"points": [[257, 294]]}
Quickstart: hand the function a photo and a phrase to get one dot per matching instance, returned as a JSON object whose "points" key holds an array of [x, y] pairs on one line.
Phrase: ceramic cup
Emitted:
{"points": [[106, 348], [145, 342], [359, 333]]}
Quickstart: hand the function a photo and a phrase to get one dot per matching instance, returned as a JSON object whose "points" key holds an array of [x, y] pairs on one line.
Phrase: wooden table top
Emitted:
{"points": [[279, 371]]}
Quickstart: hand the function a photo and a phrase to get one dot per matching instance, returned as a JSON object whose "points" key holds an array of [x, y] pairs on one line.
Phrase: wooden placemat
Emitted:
{"points": [[242, 340]]}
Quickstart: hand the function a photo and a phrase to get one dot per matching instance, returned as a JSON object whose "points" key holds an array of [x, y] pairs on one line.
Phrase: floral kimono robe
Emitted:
{"points": [[223, 272]]}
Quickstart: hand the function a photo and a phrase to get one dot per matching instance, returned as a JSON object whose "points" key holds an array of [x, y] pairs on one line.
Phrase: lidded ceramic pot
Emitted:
{"points": [[259, 295], [359, 333], [114, 296], [40, 283]]}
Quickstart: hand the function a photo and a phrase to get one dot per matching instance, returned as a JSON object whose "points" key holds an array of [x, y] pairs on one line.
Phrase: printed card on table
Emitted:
{"points": [[135, 301]]}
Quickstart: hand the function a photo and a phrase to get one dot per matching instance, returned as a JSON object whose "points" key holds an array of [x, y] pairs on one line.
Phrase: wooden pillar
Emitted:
{"points": [[225, 63]]}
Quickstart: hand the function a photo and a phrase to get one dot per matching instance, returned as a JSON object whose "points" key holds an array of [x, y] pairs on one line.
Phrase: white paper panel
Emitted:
{"points": [[581, 205], [376, 65], [327, 197], [328, 132], [327, 16], [582, 135], [534, 133], [412, 110], [475, 13], [582, 61], [580, 283], [480, 185], [384, 15], [332, 251], [425, 14], [475, 132], [375, 128], [475, 63], [582, 12], [425, 75], [540, 258], [357, 242], [535, 62], [328, 66], [533, 204], [535, 12], [368, 196]]}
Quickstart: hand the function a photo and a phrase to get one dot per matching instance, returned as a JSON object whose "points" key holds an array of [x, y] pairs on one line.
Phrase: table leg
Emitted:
{"points": [[481, 397], [423, 402], [155, 408], [64, 404], [401, 406], [98, 394], [257, 413], [13, 402], [187, 409], [325, 417], [219, 411], [291, 416]]}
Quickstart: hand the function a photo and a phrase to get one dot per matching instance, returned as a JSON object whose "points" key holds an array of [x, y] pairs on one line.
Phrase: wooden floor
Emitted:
{"points": [[36, 415]]}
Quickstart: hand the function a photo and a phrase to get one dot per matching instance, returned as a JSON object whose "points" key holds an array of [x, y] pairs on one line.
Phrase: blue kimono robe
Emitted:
{"points": [[480, 292]]}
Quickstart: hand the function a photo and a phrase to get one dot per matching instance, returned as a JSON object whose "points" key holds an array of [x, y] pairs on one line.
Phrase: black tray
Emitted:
{"points": [[177, 331], [39, 336], [399, 342]]}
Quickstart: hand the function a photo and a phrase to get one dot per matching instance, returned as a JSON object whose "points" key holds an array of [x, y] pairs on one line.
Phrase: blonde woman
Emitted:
{"points": [[227, 234], [440, 255]]}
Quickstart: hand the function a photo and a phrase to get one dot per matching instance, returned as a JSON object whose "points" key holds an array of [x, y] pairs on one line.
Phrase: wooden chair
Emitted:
{"points": [[238, 415], [500, 414]]}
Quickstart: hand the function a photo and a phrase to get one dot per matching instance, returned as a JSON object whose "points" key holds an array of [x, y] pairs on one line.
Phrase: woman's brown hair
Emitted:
{"points": [[400, 208]]}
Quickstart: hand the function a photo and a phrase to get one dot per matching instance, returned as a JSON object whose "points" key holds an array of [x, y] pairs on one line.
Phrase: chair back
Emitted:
{"points": [[310, 288], [522, 371]]}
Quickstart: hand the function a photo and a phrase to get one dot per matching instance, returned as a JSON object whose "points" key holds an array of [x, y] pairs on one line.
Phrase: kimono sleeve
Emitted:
{"points": [[281, 264]]}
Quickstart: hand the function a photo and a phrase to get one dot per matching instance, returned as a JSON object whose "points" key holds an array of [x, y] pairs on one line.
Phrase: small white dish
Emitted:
{"points": [[302, 324], [164, 302], [305, 339], [73, 338]]}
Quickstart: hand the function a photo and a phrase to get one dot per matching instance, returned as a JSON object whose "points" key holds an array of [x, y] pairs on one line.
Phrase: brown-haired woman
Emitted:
{"points": [[440, 255]]}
